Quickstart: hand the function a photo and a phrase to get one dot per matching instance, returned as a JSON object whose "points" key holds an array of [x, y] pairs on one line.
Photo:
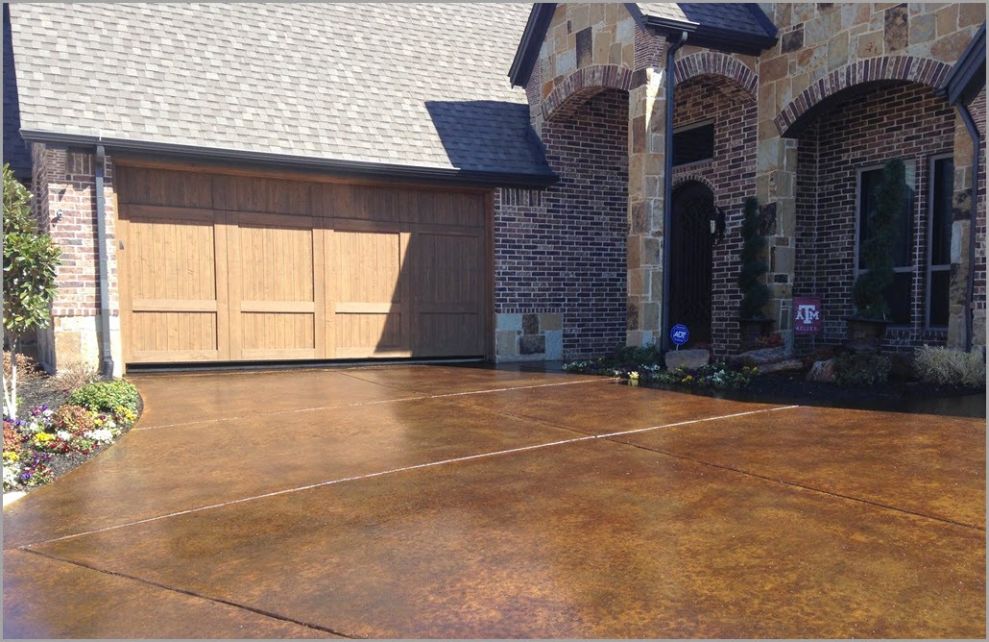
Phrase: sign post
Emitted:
{"points": [[679, 334]]}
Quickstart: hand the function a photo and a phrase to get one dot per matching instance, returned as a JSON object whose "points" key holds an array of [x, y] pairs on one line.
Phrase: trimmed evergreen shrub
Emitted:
{"points": [[755, 293]]}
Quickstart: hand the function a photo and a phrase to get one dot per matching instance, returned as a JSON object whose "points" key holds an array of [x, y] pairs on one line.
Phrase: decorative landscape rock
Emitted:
{"points": [[761, 357], [781, 366], [822, 371], [687, 359]]}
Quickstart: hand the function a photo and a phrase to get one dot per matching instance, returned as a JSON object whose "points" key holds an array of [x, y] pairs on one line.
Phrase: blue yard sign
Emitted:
{"points": [[679, 334]]}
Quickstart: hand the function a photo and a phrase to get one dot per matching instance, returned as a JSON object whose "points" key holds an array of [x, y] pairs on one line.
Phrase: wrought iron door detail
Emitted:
{"points": [[691, 241]]}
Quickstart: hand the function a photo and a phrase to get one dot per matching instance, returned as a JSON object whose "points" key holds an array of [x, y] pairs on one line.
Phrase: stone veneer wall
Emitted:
{"points": [[589, 48], [978, 110], [907, 122], [65, 203], [731, 176], [960, 230], [824, 48], [560, 254]]}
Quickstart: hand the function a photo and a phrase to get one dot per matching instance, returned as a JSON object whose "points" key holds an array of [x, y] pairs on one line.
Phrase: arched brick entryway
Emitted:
{"points": [[716, 64], [581, 85], [906, 68]]}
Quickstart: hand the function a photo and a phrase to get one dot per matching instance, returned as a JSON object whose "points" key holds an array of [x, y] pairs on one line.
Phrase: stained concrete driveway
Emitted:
{"points": [[441, 501]]}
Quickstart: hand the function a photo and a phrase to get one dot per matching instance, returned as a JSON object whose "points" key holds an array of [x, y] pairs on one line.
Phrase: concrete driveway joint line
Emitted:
{"points": [[218, 600], [419, 397], [392, 471], [813, 489]]}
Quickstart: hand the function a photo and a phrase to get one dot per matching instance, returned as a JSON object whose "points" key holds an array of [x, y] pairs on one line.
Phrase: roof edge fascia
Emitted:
{"points": [[261, 160]]}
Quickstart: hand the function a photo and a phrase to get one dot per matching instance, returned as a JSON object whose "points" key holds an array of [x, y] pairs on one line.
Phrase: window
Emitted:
{"points": [[939, 240], [898, 295], [693, 143]]}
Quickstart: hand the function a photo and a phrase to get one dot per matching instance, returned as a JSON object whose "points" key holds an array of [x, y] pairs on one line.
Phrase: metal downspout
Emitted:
{"points": [[106, 362], [668, 183], [973, 131]]}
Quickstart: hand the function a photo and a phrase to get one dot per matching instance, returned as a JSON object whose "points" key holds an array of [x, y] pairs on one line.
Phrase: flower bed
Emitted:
{"points": [[644, 365], [50, 441]]}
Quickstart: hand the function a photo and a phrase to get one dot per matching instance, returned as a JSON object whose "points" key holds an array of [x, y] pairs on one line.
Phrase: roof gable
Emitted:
{"points": [[736, 27]]}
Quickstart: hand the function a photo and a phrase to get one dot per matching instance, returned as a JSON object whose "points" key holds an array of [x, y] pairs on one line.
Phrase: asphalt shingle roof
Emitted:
{"points": [[411, 84], [732, 16]]}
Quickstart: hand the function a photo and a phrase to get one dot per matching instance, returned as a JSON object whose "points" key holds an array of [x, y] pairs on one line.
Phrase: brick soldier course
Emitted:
{"points": [[802, 97]]}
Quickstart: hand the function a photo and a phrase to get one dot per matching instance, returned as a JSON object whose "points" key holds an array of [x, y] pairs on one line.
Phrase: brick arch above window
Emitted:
{"points": [[581, 85], [682, 178], [924, 71], [712, 63]]}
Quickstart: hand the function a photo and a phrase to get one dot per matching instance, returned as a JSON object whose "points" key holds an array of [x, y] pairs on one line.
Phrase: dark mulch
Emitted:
{"points": [[896, 395]]}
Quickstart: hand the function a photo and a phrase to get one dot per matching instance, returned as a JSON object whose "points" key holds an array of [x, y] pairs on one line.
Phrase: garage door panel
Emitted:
{"points": [[144, 186], [448, 335], [457, 208], [172, 260], [368, 296], [169, 287], [277, 331], [365, 335], [252, 194], [158, 333], [276, 264], [447, 269], [446, 280], [290, 270], [273, 293]]}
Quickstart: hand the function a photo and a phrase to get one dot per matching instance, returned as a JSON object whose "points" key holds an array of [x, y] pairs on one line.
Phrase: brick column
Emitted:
{"points": [[65, 204], [646, 162]]}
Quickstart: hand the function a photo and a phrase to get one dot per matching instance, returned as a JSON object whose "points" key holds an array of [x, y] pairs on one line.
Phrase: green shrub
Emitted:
{"points": [[755, 293], [950, 367], [861, 368], [107, 396], [30, 260], [73, 418]]}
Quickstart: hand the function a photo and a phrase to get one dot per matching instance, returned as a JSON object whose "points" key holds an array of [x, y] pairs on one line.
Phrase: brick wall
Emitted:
{"points": [[904, 121], [65, 203], [563, 251], [731, 175]]}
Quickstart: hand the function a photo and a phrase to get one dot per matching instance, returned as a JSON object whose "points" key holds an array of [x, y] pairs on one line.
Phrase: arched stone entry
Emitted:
{"points": [[691, 259]]}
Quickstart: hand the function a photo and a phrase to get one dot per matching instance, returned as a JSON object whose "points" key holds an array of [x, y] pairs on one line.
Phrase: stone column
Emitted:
{"points": [[646, 161], [961, 228], [776, 181]]}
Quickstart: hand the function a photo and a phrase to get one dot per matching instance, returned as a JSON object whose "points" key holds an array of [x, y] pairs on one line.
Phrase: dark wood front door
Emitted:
{"points": [[690, 260]]}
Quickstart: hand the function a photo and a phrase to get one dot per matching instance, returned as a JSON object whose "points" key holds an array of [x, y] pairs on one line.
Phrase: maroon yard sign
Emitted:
{"points": [[806, 314]]}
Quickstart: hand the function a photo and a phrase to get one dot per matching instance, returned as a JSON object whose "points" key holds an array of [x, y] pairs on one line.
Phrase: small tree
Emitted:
{"points": [[29, 262], [755, 293], [877, 250]]}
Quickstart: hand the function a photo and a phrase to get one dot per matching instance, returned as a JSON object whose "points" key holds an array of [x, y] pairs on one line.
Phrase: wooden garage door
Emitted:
{"points": [[228, 268]]}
